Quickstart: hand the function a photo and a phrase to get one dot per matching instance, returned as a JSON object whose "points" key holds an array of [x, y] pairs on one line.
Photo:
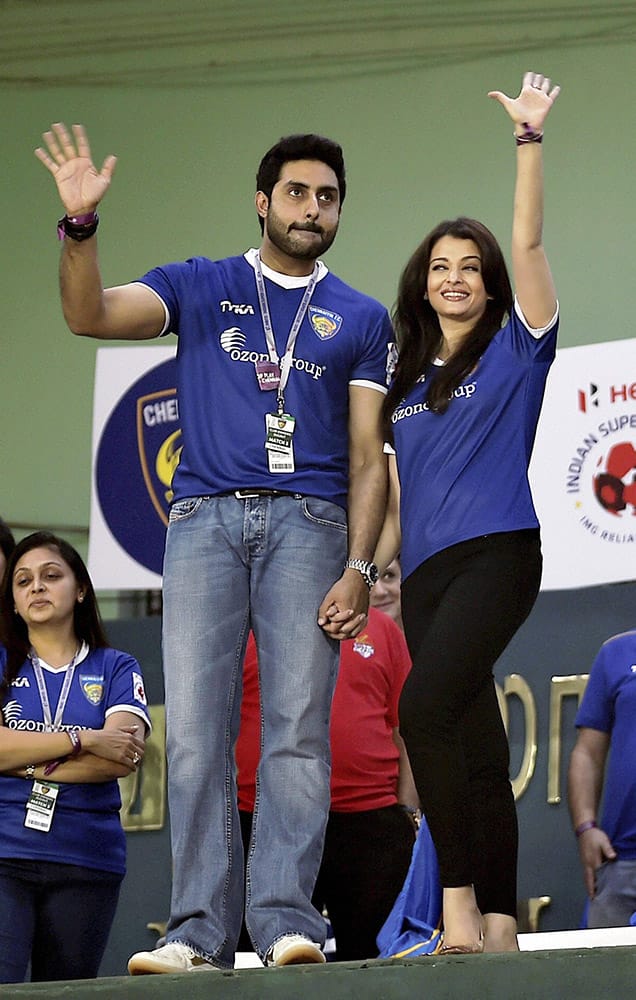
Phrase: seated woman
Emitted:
{"points": [[73, 720]]}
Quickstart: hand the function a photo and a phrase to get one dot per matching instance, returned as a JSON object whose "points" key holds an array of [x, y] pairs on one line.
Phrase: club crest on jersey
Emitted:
{"points": [[363, 647], [138, 688], [92, 688], [324, 322]]}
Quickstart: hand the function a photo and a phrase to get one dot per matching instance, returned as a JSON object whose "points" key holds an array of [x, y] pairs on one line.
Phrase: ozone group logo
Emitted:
{"points": [[138, 451]]}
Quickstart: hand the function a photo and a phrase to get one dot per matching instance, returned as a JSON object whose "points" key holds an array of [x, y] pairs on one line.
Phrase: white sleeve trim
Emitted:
{"points": [[537, 333], [388, 449], [366, 384], [166, 322], [133, 711]]}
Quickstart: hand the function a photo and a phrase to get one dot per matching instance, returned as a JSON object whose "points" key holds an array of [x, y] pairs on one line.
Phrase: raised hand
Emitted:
{"points": [[533, 104], [68, 158]]}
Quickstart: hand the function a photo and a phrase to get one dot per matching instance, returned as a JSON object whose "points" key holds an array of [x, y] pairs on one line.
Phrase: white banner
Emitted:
{"points": [[136, 445], [583, 471]]}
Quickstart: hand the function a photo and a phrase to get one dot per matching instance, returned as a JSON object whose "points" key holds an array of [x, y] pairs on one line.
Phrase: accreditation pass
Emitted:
{"points": [[279, 442], [41, 806]]}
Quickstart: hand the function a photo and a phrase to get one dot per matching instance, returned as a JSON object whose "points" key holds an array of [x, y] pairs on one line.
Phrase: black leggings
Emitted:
{"points": [[460, 609]]}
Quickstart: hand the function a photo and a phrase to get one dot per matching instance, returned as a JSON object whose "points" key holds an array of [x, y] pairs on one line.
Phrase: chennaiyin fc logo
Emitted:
{"points": [[137, 455], [324, 322]]}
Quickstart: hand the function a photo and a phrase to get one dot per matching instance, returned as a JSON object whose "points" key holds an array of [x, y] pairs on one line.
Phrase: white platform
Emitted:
{"points": [[602, 937]]}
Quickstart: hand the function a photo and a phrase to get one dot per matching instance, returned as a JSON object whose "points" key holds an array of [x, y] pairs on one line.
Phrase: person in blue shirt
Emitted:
{"points": [[279, 497], [602, 763], [462, 411], [73, 720]]}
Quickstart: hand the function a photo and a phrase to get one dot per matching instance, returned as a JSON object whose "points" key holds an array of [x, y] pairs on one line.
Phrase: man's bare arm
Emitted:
{"points": [[126, 312]]}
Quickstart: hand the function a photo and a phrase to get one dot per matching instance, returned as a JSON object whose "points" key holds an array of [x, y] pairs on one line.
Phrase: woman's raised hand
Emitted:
{"points": [[533, 104], [68, 158]]}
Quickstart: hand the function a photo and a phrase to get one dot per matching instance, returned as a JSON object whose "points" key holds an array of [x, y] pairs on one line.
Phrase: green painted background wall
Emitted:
{"points": [[422, 141]]}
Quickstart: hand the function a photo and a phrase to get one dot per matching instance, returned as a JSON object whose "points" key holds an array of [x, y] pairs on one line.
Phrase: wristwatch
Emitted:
{"points": [[368, 570]]}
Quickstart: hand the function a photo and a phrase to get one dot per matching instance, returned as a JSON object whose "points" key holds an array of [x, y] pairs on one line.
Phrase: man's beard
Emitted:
{"points": [[290, 242]]}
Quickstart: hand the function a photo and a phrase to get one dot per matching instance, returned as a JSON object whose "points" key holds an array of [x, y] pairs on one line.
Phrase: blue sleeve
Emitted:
{"points": [[126, 690], [596, 710], [169, 282], [518, 338], [373, 363]]}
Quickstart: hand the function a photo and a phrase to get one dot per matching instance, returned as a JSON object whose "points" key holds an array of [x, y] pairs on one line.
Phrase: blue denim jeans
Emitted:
{"points": [[614, 903], [231, 565]]}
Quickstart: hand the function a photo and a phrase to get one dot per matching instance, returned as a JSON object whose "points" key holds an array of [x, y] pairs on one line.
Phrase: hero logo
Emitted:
{"points": [[232, 341]]}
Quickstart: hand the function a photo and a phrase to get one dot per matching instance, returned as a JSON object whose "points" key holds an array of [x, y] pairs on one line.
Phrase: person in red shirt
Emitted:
{"points": [[371, 827]]}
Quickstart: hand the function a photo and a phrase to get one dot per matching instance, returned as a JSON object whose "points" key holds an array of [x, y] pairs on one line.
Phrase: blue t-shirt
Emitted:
{"points": [[609, 705], [86, 828], [213, 307], [464, 473]]}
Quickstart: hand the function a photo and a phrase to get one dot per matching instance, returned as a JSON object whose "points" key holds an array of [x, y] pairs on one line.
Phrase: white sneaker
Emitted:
{"points": [[171, 957], [294, 949]]}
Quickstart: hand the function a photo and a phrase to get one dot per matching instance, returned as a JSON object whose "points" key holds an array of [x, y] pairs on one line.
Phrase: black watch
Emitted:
{"points": [[368, 570]]}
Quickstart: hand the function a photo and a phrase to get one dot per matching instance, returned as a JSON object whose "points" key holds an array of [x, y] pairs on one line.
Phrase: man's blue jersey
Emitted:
{"points": [[609, 705], [86, 829], [464, 473], [213, 307]]}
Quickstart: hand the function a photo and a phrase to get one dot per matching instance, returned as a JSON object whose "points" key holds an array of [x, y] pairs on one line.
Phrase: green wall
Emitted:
{"points": [[420, 144]]}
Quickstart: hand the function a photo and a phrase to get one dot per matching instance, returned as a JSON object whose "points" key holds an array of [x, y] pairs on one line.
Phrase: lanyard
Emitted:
{"points": [[286, 362], [52, 725]]}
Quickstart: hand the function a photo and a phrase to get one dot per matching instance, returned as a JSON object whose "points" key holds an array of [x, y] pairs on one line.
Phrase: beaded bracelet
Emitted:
{"points": [[589, 824], [528, 135]]}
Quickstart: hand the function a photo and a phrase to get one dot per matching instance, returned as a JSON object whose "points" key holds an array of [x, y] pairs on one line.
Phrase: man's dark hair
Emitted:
{"points": [[300, 147]]}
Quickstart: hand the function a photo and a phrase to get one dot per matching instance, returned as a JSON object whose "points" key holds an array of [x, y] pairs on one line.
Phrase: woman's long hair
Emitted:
{"points": [[417, 328], [14, 633]]}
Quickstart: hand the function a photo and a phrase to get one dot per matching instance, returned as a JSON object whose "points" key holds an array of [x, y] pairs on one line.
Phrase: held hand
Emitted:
{"points": [[595, 848], [533, 104], [343, 613], [81, 187], [120, 745]]}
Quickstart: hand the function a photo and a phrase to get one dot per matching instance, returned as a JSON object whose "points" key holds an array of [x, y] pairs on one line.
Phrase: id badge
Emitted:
{"points": [[268, 375], [279, 442], [41, 806]]}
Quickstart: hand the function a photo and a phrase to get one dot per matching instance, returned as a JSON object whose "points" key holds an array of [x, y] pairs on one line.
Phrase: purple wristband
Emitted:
{"points": [[589, 824], [52, 764], [78, 227], [82, 220], [75, 742]]}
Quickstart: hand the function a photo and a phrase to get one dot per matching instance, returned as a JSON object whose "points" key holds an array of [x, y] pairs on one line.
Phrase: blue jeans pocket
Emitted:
{"points": [[183, 509], [324, 512]]}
